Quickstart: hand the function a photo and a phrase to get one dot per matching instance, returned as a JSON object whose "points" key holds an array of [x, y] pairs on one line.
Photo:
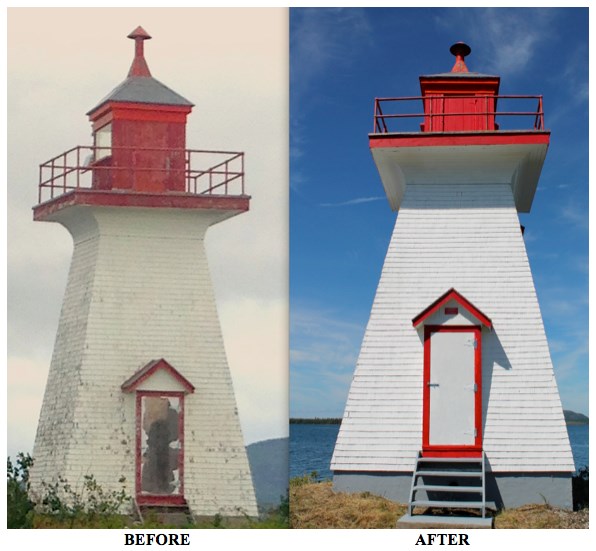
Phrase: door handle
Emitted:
{"points": [[432, 384]]}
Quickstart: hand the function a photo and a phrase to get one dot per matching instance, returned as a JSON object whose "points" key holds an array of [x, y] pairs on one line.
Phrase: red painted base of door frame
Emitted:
{"points": [[444, 450], [454, 451], [160, 500]]}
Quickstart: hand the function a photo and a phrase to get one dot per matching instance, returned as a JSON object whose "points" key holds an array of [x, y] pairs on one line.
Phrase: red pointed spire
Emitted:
{"points": [[460, 50], [139, 67]]}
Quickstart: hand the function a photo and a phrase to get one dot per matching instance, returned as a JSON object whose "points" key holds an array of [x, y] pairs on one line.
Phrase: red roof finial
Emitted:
{"points": [[139, 67], [460, 50]]}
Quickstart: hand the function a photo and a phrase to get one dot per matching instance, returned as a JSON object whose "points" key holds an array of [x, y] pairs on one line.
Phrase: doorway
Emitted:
{"points": [[452, 391], [160, 448]]}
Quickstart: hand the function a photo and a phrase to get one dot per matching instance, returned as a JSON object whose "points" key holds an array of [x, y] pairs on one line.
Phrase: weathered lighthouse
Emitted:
{"points": [[139, 386], [454, 402]]}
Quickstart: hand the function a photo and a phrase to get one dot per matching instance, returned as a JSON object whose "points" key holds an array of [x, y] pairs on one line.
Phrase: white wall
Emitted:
{"points": [[139, 289], [467, 237]]}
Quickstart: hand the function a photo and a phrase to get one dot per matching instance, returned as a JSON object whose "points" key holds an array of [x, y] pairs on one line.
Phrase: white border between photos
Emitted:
{"points": [[297, 540], [267, 540]]}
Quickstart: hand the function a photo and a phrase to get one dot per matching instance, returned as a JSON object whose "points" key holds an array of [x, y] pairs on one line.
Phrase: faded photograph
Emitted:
{"points": [[147, 267]]}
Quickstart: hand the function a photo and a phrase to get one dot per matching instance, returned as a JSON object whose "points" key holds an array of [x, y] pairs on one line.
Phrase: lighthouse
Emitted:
{"points": [[454, 403], [139, 386]]}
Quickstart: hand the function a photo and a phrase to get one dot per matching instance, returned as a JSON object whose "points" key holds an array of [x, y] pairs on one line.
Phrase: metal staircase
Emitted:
{"points": [[448, 483]]}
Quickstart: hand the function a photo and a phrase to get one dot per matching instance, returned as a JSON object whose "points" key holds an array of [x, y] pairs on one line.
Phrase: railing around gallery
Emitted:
{"points": [[192, 171]]}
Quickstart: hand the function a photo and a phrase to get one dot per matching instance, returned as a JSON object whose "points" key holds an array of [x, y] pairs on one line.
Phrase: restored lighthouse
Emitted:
{"points": [[139, 386], [454, 402]]}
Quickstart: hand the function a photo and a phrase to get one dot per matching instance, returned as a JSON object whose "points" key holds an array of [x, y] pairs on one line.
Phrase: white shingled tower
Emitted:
{"points": [[454, 398], [139, 386]]}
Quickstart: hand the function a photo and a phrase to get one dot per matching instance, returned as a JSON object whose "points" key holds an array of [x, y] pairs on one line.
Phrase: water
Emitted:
{"points": [[579, 438], [311, 448]]}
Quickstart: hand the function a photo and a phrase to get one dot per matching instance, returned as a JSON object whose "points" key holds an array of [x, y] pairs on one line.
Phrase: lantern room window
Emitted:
{"points": [[103, 142]]}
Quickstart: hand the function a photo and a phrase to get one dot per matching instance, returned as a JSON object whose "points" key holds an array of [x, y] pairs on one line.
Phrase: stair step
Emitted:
{"points": [[450, 504], [456, 504], [477, 474], [432, 521], [470, 468], [464, 489], [171, 514]]}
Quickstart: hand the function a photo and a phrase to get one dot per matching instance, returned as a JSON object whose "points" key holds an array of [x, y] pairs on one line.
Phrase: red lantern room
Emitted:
{"points": [[466, 125], [459, 100], [139, 156], [141, 123]]}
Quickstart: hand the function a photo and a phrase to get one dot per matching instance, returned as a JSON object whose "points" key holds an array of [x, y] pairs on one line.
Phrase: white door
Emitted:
{"points": [[452, 389]]}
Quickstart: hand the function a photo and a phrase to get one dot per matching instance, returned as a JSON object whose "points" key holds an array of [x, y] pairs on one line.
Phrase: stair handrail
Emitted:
{"points": [[138, 511], [414, 475], [483, 485]]}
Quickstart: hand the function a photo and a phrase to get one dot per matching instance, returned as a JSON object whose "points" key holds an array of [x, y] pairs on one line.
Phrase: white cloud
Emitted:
{"points": [[324, 350], [350, 202], [512, 37], [576, 215], [26, 381], [321, 40], [323, 324], [567, 364], [256, 340]]}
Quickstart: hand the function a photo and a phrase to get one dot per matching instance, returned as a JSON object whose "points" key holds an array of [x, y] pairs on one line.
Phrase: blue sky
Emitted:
{"points": [[340, 221]]}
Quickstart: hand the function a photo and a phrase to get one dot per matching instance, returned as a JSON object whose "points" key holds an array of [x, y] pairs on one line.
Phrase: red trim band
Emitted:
{"points": [[95, 198], [461, 138]]}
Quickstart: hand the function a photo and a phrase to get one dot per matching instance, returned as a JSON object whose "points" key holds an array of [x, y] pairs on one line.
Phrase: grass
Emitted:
{"points": [[64, 507], [273, 520], [315, 505], [541, 516]]}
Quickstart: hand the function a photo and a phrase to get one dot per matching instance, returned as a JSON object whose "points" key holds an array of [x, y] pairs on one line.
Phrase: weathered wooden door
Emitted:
{"points": [[160, 448]]}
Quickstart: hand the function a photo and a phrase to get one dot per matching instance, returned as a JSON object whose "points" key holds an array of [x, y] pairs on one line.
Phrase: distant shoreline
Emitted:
{"points": [[574, 419], [315, 421]]}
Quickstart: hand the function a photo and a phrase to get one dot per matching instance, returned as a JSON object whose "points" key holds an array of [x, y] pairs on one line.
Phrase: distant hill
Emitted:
{"points": [[572, 418], [269, 464]]}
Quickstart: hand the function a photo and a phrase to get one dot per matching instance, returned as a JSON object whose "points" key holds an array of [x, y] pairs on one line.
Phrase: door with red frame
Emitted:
{"points": [[160, 448], [452, 391]]}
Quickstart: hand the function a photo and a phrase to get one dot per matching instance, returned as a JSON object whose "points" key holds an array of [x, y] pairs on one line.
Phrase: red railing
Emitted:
{"points": [[388, 120], [200, 172]]}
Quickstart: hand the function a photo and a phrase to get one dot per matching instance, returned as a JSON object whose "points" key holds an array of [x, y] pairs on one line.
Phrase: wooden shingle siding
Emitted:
{"points": [[139, 289], [466, 237]]}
